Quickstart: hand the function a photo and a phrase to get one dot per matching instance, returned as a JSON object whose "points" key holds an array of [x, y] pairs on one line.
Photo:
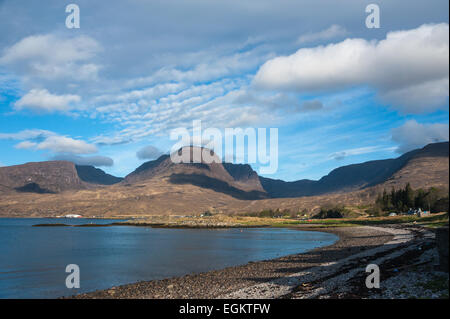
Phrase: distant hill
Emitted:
{"points": [[52, 177], [41, 177], [360, 176], [423, 168], [90, 174]]}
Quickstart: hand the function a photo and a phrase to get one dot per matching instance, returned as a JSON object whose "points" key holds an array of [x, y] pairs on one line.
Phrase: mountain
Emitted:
{"points": [[161, 187], [238, 181], [242, 182], [360, 176], [427, 167], [41, 177], [423, 167], [90, 174], [243, 174], [52, 177]]}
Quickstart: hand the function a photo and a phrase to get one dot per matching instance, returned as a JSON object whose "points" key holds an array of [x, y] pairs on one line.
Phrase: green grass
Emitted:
{"points": [[435, 224], [435, 220]]}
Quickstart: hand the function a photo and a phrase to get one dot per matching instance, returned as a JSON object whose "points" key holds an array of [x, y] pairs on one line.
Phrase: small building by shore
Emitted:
{"points": [[73, 216]]}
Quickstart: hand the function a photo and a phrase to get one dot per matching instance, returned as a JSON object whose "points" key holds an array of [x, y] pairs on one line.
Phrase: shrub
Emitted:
{"points": [[330, 212]]}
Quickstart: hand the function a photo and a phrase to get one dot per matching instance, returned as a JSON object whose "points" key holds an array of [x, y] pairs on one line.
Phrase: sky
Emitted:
{"points": [[109, 93]]}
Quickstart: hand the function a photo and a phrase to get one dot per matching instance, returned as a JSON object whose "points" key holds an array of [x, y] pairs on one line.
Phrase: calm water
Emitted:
{"points": [[33, 259]]}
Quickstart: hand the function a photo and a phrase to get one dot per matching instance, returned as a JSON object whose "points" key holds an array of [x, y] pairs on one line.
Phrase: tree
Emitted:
{"points": [[393, 198], [408, 196], [419, 200], [441, 205], [434, 199]]}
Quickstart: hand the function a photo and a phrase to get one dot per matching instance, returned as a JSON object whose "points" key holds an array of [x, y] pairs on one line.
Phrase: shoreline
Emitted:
{"points": [[217, 283]]}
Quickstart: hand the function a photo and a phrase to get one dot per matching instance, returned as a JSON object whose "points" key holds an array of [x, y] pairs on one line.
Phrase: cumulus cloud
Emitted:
{"points": [[148, 152], [400, 68], [51, 57], [85, 160], [43, 101], [412, 135], [418, 98], [62, 144], [25, 145], [334, 31]]}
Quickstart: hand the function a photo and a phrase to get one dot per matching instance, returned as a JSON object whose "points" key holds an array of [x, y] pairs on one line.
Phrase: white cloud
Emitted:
{"points": [[419, 98], [44, 101], [395, 67], [25, 145], [334, 31], [412, 135], [216, 104], [52, 57], [50, 141], [207, 68], [62, 144]]}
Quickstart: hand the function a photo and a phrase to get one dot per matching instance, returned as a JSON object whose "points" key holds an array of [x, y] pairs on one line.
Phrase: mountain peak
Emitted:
{"points": [[239, 180]]}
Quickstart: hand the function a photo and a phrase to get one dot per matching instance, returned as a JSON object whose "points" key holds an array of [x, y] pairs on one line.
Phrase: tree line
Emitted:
{"points": [[401, 200]]}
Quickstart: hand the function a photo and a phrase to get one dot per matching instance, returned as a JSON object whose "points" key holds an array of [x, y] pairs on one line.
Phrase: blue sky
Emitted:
{"points": [[338, 92]]}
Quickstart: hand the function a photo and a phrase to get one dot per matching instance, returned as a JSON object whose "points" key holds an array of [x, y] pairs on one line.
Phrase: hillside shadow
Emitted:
{"points": [[215, 185]]}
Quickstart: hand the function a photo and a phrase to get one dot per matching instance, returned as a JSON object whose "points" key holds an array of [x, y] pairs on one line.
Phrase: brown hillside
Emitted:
{"points": [[40, 177], [421, 172]]}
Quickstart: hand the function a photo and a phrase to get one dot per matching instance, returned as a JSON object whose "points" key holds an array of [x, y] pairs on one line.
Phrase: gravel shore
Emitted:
{"points": [[220, 283]]}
